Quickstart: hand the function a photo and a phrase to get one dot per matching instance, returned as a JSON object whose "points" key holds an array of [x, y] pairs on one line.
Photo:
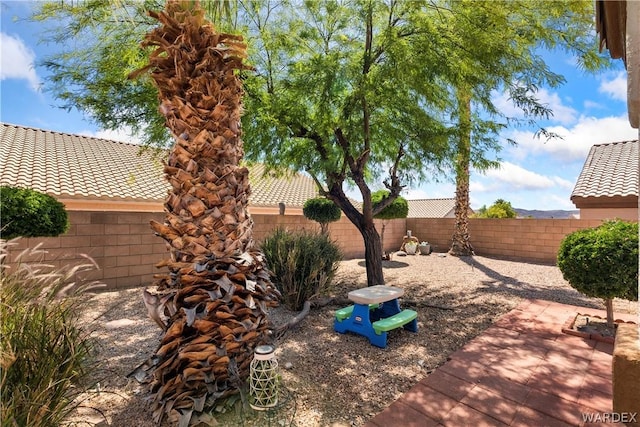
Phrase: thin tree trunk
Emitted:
{"points": [[609, 305], [366, 227], [324, 228], [460, 245], [384, 225], [372, 255]]}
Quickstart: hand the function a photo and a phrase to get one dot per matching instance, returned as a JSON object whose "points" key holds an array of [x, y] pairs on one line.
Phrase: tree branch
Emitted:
{"points": [[344, 144], [394, 187]]}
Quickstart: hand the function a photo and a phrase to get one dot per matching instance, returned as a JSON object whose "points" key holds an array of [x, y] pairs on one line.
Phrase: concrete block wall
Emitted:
{"points": [[523, 239], [343, 232], [126, 250], [121, 243]]}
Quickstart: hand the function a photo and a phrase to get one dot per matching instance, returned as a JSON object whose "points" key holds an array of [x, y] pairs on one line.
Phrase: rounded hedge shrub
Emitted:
{"points": [[602, 262], [322, 210], [399, 208], [30, 213]]}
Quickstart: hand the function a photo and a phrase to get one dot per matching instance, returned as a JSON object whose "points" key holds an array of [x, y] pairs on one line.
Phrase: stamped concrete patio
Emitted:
{"points": [[522, 371]]}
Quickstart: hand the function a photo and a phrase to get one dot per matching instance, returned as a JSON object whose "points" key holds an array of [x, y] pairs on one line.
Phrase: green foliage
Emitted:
{"points": [[500, 209], [399, 208], [602, 262], [322, 210], [45, 355], [29, 213], [353, 93], [303, 264]]}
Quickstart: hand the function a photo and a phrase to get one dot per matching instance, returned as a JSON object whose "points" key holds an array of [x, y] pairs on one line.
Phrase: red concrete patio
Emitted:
{"points": [[522, 371]]}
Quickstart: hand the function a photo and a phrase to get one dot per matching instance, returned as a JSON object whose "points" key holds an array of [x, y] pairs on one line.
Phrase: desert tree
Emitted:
{"points": [[355, 93], [496, 48]]}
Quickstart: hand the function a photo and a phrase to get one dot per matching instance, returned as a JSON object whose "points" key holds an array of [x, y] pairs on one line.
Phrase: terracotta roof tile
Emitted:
{"points": [[269, 190], [75, 166], [431, 208], [610, 170]]}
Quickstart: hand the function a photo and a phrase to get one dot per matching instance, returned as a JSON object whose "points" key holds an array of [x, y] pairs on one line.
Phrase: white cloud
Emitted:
{"points": [[562, 113], [430, 190], [122, 135], [478, 187], [414, 194], [615, 88], [564, 183], [591, 104], [554, 201], [577, 140], [17, 61], [503, 104], [514, 177]]}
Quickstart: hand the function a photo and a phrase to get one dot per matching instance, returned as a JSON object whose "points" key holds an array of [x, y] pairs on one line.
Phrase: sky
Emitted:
{"points": [[535, 174]]}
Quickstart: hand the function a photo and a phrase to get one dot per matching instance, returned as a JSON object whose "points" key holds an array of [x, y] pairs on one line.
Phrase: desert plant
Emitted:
{"points": [[303, 263], [602, 262], [323, 211], [30, 213], [399, 208], [45, 355]]}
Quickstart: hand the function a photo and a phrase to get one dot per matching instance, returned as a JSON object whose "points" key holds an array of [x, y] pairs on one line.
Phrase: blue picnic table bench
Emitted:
{"points": [[376, 311]]}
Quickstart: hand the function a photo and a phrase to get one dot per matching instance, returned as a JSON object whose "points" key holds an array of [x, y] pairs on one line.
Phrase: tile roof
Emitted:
{"points": [[431, 208], [610, 170], [269, 190], [75, 166]]}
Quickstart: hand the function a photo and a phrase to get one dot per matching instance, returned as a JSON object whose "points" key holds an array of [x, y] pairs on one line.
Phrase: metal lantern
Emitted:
{"points": [[263, 378]]}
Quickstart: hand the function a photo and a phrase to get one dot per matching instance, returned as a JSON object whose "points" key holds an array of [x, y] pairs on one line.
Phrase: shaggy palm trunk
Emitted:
{"points": [[217, 286], [460, 245]]}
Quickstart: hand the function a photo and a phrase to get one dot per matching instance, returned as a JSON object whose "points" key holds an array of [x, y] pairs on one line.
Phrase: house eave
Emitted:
{"points": [[605, 202]]}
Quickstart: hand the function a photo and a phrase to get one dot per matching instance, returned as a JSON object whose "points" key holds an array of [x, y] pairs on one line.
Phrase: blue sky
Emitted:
{"points": [[588, 109]]}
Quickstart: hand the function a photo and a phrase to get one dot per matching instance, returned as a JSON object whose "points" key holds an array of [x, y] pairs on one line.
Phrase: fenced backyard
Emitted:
{"points": [[126, 250]]}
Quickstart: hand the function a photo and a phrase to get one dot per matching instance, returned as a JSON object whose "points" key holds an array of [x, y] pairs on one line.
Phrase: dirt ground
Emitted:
{"points": [[331, 379]]}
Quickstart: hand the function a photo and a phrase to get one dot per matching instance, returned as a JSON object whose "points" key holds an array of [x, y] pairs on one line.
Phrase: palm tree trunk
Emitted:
{"points": [[460, 245], [217, 284]]}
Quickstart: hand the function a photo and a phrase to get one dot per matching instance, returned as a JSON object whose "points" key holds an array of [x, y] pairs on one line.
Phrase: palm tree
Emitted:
{"points": [[460, 245], [217, 288]]}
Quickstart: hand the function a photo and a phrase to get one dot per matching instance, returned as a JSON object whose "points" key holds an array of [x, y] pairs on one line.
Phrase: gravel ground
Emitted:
{"points": [[333, 379]]}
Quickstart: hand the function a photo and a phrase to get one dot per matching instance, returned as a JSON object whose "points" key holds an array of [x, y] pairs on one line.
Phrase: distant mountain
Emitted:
{"points": [[555, 214]]}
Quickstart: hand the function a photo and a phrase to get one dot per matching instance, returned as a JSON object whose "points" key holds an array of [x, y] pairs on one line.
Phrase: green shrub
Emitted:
{"points": [[602, 262], [29, 213], [45, 356], [321, 210], [303, 264], [399, 208]]}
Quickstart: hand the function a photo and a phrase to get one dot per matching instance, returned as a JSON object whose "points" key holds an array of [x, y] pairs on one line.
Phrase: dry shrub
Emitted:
{"points": [[303, 263]]}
